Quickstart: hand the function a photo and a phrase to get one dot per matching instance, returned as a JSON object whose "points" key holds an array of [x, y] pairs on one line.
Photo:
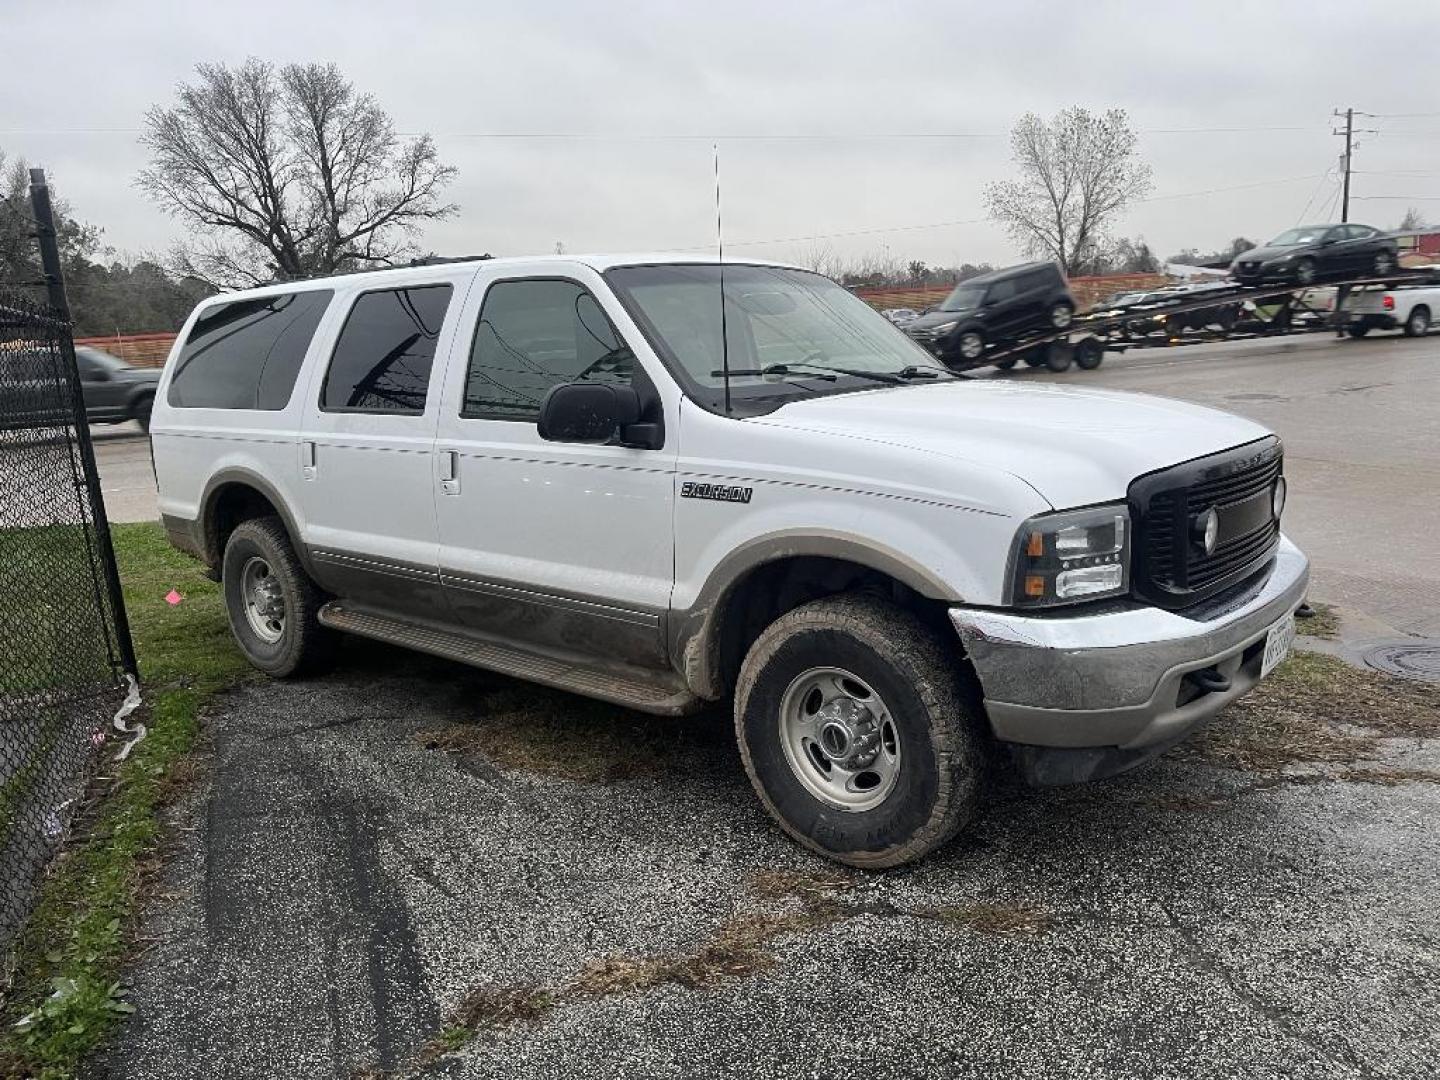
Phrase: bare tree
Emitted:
{"points": [[1077, 172], [1412, 221], [287, 174], [821, 256]]}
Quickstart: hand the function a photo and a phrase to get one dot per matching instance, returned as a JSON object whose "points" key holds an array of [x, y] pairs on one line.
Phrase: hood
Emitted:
{"points": [[1074, 446], [936, 318], [1265, 254]]}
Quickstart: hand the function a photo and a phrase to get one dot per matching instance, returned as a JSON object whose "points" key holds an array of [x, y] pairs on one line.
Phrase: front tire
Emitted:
{"points": [[1305, 272], [1384, 264], [272, 603], [972, 345], [859, 731], [1418, 324]]}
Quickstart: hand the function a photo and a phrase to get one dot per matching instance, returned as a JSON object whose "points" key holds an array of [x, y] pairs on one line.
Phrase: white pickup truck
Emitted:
{"points": [[664, 483], [1411, 308]]}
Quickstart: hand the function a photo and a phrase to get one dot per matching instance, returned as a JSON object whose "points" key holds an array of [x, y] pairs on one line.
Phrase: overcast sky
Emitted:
{"points": [[591, 123]]}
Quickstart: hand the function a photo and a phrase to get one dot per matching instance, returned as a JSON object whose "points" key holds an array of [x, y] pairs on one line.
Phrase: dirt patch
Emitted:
{"points": [[554, 734], [1324, 623], [1318, 710], [994, 919]]}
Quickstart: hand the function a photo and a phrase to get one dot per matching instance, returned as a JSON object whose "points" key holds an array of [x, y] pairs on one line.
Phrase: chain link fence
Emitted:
{"points": [[63, 650]]}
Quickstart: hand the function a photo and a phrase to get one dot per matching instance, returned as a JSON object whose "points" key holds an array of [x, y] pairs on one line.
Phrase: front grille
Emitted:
{"points": [[1168, 568]]}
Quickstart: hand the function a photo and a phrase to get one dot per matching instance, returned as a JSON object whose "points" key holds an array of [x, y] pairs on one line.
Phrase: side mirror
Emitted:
{"points": [[596, 413]]}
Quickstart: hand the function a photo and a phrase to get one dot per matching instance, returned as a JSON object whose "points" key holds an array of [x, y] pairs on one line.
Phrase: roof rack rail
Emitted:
{"points": [[435, 260]]}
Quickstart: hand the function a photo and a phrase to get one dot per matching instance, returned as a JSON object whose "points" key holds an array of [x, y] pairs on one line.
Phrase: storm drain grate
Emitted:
{"points": [[1407, 660]]}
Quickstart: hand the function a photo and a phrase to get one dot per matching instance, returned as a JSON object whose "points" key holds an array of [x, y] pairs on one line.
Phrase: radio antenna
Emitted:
{"points": [[720, 260]]}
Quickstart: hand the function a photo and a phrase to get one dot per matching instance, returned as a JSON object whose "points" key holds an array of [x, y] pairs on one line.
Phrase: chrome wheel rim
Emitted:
{"points": [[971, 346], [263, 600], [1419, 323], [1305, 273], [839, 739], [1060, 316]]}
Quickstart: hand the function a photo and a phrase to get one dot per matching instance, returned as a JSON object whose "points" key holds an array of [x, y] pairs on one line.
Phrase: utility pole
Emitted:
{"points": [[1349, 134]]}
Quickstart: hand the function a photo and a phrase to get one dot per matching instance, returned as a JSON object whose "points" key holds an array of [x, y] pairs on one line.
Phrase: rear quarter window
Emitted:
{"points": [[247, 354]]}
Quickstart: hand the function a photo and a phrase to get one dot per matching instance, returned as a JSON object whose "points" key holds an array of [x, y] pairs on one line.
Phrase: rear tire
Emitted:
{"points": [[875, 673], [272, 603], [1061, 315], [1384, 264], [1007, 363], [1358, 330], [1418, 324], [140, 411]]}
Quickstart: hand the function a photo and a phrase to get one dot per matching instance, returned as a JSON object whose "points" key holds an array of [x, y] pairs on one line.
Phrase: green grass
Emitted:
{"points": [[68, 992]]}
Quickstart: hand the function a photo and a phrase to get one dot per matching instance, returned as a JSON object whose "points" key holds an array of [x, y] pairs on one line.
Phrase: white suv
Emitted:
{"points": [[591, 473]]}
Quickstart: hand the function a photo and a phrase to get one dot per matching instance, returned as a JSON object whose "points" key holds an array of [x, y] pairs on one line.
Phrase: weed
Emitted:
{"points": [[68, 993], [994, 919]]}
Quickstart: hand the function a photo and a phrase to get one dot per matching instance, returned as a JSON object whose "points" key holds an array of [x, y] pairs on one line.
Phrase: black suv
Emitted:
{"points": [[998, 308]]}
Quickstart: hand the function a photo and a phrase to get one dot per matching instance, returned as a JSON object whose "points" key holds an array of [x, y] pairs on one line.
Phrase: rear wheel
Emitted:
{"points": [[1059, 356], [1419, 322], [859, 731], [1384, 263], [272, 603], [140, 411], [1007, 363], [1061, 315], [1035, 357], [1358, 329]]}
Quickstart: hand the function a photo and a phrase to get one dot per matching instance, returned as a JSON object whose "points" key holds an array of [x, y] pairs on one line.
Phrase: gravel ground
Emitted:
{"points": [[355, 865]]}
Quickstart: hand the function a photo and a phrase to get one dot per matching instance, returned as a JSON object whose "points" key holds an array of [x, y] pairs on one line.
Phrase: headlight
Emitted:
{"points": [[946, 327], [1071, 556]]}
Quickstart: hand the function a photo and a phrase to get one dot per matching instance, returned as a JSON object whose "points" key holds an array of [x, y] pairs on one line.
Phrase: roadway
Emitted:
{"points": [[1361, 424]]}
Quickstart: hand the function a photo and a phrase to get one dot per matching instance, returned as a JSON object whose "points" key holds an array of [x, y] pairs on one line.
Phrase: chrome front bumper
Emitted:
{"points": [[1116, 679]]}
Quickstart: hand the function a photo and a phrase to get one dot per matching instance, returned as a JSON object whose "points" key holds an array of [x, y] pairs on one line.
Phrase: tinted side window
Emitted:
{"points": [[1038, 280], [1362, 232], [1001, 291], [533, 335], [382, 359], [246, 354]]}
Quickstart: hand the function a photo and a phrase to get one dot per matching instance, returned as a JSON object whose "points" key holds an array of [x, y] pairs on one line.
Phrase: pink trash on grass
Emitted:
{"points": [[172, 598]]}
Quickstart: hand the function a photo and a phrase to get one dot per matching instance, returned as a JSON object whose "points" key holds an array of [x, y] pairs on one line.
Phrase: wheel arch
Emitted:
{"points": [[769, 576], [235, 495]]}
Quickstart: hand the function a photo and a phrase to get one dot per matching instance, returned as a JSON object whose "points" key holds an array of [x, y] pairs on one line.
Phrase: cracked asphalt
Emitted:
{"points": [[339, 883]]}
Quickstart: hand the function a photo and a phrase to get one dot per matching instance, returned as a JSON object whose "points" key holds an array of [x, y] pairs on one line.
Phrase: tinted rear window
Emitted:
{"points": [[247, 354], [382, 360]]}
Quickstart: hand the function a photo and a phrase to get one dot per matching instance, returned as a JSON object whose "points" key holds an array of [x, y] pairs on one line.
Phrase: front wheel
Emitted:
{"points": [[859, 732], [272, 603], [1384, 264], [972, 345], [1305, 272]]}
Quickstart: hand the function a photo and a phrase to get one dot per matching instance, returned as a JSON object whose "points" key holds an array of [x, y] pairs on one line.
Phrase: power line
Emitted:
{"points": [[710, 136]]}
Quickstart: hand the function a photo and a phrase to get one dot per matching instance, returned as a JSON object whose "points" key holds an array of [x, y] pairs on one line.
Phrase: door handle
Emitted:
{"points": [[307, 460], [449, 472]]}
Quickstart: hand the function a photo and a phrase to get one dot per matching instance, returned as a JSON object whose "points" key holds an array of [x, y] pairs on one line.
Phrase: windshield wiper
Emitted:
{"points": [[827, 372], [916, 371]]}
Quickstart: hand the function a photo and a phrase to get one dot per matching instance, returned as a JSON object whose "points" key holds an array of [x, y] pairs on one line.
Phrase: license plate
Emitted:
{"points": [[1278, 640]]}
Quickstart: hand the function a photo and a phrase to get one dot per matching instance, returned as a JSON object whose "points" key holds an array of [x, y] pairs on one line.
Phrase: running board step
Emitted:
{"points": [[627, 687]]}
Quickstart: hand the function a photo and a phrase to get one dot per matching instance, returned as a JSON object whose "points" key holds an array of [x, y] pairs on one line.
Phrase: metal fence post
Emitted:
{"points": [[55, 287]]}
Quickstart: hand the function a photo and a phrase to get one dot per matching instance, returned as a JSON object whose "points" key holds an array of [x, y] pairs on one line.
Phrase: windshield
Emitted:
{"points": [[796, 323], [1309, 234], [964, 298]]}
